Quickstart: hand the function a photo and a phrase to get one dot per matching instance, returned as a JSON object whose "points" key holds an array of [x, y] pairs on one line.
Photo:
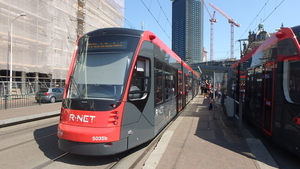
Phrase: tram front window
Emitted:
{"points": [[99, 76], [101, 67]]}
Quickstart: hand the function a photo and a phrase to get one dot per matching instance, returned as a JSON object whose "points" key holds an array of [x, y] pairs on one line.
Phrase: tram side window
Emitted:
{"points": [[196, 84], [139, 87], [291, 81], [234, 86], [170, 85], [190, 82], [158, 75], [187, 84], [273, 52], [249, 84], [179, 83], [258, 86]]}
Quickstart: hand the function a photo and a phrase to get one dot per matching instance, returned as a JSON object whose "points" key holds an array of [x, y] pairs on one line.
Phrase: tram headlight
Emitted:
{"points": [[280, 34]]}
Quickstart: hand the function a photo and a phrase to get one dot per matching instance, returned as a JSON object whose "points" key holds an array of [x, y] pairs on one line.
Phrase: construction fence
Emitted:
{"points": [[24, 88], [22, 94], [15, 101]]}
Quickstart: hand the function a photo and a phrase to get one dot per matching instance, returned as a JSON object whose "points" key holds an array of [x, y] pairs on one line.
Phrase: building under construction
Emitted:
{"points": [[38, 38]]}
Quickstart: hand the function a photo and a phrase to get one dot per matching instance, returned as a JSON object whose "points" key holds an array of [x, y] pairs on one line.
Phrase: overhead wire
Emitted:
{"points": [[254, 18], [164, 13], [263, 19], [156, 19], [273, 10]]}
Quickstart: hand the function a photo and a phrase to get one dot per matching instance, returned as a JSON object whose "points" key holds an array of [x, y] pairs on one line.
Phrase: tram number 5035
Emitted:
{"points": [[99, 138]]}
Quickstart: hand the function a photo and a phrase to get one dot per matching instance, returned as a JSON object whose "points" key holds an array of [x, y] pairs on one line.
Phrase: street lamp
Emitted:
{"points": [[11, 39]]}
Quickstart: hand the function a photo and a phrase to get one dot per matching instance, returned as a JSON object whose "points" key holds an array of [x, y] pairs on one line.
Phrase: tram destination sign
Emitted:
{"points": [[107, 45]]}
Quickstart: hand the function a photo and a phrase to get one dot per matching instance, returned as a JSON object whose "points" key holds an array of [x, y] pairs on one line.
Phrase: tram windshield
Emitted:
{"points": [[101, 67], [296, 30]]}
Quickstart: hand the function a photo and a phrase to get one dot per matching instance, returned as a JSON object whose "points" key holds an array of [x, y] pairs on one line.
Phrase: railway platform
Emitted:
{"points": [[202, 138]]}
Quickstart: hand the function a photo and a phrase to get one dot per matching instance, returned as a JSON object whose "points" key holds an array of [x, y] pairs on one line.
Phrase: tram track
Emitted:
{"points": [[47, 163], [19, 135], [39, 140], [113, 160], [25, 142]]}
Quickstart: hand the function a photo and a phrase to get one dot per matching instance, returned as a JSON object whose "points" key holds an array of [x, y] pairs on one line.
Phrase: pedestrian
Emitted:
{"points": [[210, 106], [211, 97], [205, 91]]}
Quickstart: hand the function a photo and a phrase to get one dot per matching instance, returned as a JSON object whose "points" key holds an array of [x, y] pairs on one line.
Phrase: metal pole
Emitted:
{"points": [[240, 103], [11, 56], [214, 94]]}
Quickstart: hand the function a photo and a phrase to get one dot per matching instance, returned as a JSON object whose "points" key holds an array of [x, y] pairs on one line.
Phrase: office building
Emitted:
{"points": [[187, 29]]}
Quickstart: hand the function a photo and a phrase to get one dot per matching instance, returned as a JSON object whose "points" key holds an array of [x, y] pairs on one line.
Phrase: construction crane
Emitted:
{"points": [[212, 20], [232, 23]]}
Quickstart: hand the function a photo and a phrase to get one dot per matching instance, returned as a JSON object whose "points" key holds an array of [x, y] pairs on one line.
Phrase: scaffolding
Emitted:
{"points": [[43, 41]]}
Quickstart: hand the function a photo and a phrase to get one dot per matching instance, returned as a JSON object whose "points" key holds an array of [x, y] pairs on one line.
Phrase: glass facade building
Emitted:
{"points": [[187, 29]]}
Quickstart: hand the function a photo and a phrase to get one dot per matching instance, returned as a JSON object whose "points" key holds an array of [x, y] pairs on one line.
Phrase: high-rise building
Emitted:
{"points": [[187, 29]]}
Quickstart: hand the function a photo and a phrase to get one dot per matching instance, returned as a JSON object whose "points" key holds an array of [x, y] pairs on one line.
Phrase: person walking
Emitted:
{"points": [[205, 90]]}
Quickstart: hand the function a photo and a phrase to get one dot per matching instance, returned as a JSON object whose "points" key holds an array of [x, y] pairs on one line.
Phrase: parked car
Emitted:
{"points": [[49, 95]]}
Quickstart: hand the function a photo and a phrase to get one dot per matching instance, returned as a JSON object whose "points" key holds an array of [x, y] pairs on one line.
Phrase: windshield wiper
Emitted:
{"points": [[76, 86]]}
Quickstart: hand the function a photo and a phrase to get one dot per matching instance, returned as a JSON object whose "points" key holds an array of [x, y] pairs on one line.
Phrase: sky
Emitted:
{"points": [[156, 16]]}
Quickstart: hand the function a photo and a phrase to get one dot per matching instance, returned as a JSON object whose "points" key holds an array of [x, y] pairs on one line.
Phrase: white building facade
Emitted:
{"points": [[43, 41]]}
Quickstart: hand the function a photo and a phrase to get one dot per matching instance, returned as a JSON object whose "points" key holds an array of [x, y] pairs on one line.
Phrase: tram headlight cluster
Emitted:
{"points": [[114, 117]]}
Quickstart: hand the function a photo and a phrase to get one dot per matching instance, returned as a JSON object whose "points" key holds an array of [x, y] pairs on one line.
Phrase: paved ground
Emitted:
{"points": [[202, 138]]}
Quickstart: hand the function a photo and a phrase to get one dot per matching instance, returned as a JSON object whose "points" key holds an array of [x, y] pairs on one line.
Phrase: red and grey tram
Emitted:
{"points": [[123, 87], [268, 82]]}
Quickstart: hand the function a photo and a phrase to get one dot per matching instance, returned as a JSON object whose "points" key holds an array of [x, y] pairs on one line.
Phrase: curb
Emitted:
{"points": [[18, 120]]}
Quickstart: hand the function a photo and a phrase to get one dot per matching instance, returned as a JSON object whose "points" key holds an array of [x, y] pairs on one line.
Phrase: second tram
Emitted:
{"points": [[268, 81]]}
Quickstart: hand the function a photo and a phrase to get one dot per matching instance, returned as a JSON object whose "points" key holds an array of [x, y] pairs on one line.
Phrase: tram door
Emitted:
{"points": [[268, 77]]}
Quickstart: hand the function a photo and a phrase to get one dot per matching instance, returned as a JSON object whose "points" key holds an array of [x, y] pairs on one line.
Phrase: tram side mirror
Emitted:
{"points": [[133, 94]]}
